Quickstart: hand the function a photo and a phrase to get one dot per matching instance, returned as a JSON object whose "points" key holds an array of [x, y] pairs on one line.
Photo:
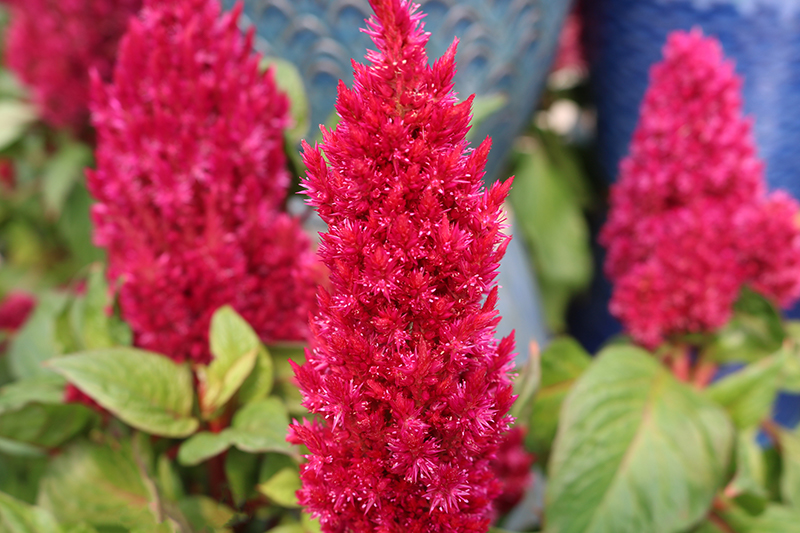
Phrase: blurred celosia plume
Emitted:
{"points": [[191, 179], [690, 221], [412, 387], [52, 45]]}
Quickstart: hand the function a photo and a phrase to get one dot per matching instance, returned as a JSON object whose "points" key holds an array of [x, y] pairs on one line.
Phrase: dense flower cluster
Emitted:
{"points": [[512, 465], [690, 220], [191, 178], [52, 44], [412, 387]]}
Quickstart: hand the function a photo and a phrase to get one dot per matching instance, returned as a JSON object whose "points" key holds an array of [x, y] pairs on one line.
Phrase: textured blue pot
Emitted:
{"points": [[505, 48]]}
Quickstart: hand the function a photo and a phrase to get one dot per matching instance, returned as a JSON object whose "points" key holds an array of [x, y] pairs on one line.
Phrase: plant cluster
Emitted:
{"points": [[207, 370]]}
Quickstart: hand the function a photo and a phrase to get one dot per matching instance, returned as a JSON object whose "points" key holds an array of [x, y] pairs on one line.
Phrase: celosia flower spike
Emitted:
{"points": [[52, 44], [690, 223], [190, 182], [411, 387]]}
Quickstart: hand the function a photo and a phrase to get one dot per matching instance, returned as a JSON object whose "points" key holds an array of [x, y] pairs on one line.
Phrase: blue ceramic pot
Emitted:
{"points": [[505, 48]]}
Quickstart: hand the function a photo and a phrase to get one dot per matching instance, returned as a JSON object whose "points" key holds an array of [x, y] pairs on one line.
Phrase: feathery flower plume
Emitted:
{"points": [[690, 222], [52, 44], [412, 388], [190, 180], [513, 468]]}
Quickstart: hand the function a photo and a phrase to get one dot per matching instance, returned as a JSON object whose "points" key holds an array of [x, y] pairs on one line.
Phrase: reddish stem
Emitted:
{"points": [[704, 373], [681, 364]]}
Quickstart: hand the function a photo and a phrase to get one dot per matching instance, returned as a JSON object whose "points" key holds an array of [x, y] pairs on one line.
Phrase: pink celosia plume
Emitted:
{"points": [[410, 384], [52, 44], [512, 465], [690, 222], [190, 181], [15, 309]]}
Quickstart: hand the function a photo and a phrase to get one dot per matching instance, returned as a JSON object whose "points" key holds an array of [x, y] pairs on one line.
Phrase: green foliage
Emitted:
{"points": [[629, 432], [549, 212], [562, 362], [145, 390], [235, 347]]}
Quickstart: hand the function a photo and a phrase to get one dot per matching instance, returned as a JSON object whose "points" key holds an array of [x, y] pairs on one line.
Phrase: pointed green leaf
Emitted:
{"points": [[45, 388], [259, 383], [562, 362], [145, 390], [203, 446], [241, 469], [751, 472], [636, 450], [261, 427], [205, 514], [235, 347], [790, 476], [15, 116], [775, 519], [61, 172], [748, 394], [19, 517], [44, 426], [97, 484], [282, 487]]}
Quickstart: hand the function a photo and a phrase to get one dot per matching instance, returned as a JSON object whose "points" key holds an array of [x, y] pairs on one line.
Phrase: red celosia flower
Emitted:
{"points": [[52, 45], [513, 467], [690, 222], [412, 387], [190, 178], [15, 309]]}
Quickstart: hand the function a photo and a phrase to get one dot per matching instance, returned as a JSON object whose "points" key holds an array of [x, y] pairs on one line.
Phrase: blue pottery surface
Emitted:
{"points": [[505, 48]]}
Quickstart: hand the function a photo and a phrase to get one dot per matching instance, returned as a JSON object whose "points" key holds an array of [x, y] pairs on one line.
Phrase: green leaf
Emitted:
{"points": [[91, 326], [37, 342], [289, 80], [636, 450], [19, 517], [554, 227], [790, 476], [562, 362], [203, 446], [750, 477], [205, 514], [15, 117], [748, 394], [261, 427], [100, 485], [44, 388], [43, 426], [282, 487], [755, 331], [61, 172], [285, 386], [775, 519], [75, 226], [235, 347], [169, 482], [259, 383], [145, 390], [242, 473]]}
